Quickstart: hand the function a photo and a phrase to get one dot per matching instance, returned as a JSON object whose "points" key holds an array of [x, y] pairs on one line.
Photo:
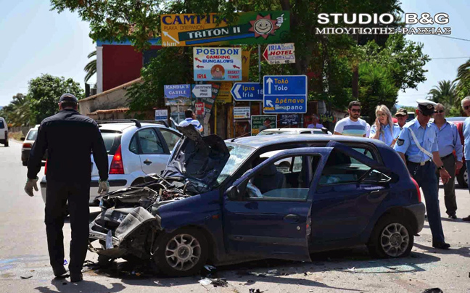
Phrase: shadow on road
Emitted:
{"points": [[280, 271], [463, 251], [83, 286]]}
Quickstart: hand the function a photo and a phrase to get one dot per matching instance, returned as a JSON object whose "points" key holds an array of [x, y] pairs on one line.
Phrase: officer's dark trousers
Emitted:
{"points": [[449, 187], [77, 195], [427, 180]]}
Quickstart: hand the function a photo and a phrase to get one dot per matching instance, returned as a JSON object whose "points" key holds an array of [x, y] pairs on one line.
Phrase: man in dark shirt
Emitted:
{"points": [[69, 139]]}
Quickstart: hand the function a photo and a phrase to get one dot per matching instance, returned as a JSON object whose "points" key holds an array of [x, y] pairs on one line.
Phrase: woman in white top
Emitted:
{"points": [[383, 128]]}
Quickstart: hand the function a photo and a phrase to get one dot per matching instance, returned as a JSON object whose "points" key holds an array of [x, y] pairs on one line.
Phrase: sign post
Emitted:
{"points": [[284, 94]]}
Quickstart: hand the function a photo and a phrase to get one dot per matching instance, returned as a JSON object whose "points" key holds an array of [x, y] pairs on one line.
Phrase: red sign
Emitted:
{"points": [[199, 108]]}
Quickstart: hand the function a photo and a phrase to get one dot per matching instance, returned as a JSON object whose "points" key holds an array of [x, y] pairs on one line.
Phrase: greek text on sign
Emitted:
{"points": [[285, 94], [280, 53], [253, 27], [247, 91], [202, 90], [217, 64]]}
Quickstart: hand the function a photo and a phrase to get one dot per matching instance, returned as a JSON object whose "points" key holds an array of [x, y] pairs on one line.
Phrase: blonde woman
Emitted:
{"points": [[383, 128]]}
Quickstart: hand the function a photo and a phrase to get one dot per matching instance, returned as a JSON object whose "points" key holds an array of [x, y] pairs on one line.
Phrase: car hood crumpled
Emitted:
{"points": [[197, 157]]}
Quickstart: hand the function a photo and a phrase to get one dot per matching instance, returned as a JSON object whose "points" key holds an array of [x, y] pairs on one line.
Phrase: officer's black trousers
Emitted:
{"points": [[77, 195]]}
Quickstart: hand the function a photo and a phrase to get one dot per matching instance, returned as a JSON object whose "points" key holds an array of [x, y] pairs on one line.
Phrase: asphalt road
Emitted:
{"points": [[24, 263]]}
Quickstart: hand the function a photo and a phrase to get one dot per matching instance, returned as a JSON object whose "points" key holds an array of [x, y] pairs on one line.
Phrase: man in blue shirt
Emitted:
{"points": [[448, 141], [418, 142], [191, 120], [466, 134]]}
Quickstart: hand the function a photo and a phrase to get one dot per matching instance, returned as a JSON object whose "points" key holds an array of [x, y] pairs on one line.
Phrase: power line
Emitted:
{"points": [[467, 40]]}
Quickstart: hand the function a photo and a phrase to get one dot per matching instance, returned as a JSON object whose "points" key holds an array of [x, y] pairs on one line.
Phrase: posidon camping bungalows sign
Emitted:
{"points": [[217, 63], [265, 27]]}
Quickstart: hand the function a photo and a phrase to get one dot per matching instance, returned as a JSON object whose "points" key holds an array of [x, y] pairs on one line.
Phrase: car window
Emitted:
{"points": [[149, 142], [306, 132], [32, 134], [340, 168], [238, 155], [133, 146], [2, 125], [287, 179], [112, 140], [170, 137]]}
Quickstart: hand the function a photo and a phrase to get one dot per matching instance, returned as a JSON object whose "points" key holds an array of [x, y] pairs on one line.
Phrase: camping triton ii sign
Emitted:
{"points": [[264, 27]]}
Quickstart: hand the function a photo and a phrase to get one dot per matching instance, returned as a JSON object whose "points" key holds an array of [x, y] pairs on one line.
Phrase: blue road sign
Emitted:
{"points": [[284, 94], [247, 91]]}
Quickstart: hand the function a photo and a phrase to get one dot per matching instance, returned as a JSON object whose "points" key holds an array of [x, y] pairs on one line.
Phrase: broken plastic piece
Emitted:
{"points": [[205, 281], [109, 240]]}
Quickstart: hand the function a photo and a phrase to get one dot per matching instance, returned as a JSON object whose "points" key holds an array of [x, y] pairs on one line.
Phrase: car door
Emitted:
{"points": [[273, 222], [349, 191], [152, 149]]}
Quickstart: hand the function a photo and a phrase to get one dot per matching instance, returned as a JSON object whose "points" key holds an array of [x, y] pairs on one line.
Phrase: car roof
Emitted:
{"points": [[123, 126], [265, 140], [291, 129]]}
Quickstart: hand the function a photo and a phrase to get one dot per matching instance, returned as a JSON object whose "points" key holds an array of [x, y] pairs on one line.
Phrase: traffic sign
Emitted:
{"points": [[285, 94], [280, 53], [202, 90], [247, 91]]}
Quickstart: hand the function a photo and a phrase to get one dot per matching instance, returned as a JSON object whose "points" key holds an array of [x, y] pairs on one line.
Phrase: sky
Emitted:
{"points": [[35, 41]]}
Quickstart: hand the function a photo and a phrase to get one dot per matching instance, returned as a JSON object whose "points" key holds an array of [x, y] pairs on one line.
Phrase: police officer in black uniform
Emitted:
{"points": [[69, 139]]}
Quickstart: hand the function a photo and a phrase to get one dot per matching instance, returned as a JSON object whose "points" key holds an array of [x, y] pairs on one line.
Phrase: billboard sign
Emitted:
{"points": [[161, 114], [241, 112], [264, 27], [217, 64], [177, 94]]}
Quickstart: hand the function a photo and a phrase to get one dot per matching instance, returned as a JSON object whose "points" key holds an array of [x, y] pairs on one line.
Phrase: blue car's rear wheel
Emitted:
{"points": [[391, 237], [182, 253]]}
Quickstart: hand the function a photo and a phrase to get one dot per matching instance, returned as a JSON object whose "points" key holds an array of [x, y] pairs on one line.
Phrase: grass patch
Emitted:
{"points": [[15, 135]]}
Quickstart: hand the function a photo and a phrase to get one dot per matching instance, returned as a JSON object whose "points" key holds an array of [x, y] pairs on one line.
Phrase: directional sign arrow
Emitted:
{"points": [[269, 81], [269, 103], [236, 93], [168, 35], [206, 93]]}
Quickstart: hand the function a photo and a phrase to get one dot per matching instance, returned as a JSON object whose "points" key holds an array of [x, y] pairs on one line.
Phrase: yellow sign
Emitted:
{"points": [[263, 27], [224, 92]]}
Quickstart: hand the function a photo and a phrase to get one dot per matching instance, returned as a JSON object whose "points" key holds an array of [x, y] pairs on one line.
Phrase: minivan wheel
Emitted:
{"points": [[181, 253], [462, 177], [392, 237]]}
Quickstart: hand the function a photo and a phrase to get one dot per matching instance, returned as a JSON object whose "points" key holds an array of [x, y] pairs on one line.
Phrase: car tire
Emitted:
{"points": [[25, 163], [392, 237], [6, 143], [462, 177], [181, 253]]}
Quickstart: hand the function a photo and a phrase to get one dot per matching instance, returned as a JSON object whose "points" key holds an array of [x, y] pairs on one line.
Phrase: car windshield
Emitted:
{"points": [[238, 155], [32, 134]]}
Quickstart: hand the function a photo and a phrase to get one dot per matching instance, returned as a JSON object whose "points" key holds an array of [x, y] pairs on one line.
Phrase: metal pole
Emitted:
{"points": [[259, 76]]}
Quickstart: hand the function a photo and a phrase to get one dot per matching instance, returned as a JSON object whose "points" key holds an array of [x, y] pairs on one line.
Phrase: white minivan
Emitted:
{"points": [[3, 132]]}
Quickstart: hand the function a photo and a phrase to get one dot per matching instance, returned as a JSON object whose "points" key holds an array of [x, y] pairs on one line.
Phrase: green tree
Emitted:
{"points": [[44, 93], [445, 93], [17, 112], [376, 87], [90, 68]]}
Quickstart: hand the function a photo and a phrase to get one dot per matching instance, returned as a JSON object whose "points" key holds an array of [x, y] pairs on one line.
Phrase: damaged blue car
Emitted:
{"points": [[248, 198]]}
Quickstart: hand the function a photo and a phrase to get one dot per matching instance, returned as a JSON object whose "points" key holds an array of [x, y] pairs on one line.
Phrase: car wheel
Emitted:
{"points": [[6, 143], [181, 253], [391, 237], [462, 177]]}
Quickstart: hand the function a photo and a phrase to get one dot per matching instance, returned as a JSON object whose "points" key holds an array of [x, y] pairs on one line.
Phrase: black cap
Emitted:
{"points": [[401, 112], [68, 98]]}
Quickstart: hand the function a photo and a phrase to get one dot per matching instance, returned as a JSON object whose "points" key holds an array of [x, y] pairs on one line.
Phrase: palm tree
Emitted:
{"points": [[445, 93], [90, 68]]}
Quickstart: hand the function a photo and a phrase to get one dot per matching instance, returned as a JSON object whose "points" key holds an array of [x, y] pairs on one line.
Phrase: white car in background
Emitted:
{"points": [[3, 132], [135, 150], [277, 131]]}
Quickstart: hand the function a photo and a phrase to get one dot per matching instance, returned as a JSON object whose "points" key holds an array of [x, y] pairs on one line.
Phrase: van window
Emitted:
{"points": [[2, 125]]}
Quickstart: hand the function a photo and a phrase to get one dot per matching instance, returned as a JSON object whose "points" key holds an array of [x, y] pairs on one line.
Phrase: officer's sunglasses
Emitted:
{"points": [[425, 114], [466, 107], [439, 111], [356, 110]]}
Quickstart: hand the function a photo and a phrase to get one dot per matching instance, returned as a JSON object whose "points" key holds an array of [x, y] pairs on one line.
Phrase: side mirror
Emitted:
{"points": [[232, 192], [23, 138]]}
